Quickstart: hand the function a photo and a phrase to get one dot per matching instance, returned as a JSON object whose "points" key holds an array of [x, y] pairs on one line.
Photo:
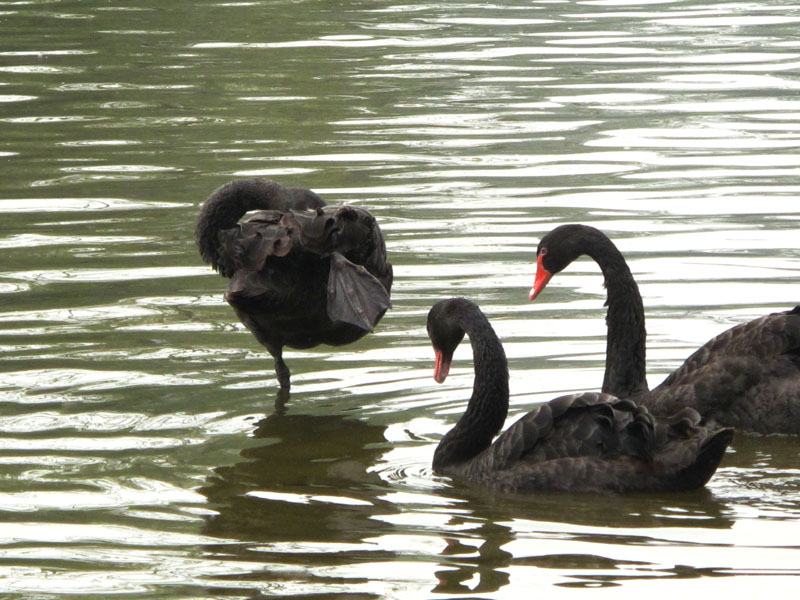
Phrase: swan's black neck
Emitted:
{"points": [[229, 203], [488, 406], [625, 347]]}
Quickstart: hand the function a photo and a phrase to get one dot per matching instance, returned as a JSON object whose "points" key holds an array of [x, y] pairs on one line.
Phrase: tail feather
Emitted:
{"points": [[709, 456]]}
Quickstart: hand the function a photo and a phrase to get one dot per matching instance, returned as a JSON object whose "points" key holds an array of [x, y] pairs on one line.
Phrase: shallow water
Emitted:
{"points": [[143, 451]]}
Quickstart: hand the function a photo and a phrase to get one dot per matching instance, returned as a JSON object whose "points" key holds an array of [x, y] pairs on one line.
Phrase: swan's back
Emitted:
{"points": [[272, 264], [747, 377], [596, 442], [301, 278], [271, 233]]}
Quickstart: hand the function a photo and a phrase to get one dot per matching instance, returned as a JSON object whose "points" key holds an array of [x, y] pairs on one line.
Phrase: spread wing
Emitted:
{"points": [[354, 295], [348, 237]]}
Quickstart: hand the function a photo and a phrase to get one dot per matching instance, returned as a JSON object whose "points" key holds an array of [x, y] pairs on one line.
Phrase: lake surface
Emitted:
{"points": [[142, 450]]}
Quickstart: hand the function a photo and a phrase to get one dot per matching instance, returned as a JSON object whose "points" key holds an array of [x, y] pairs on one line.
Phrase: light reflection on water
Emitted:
{"points": [[143, 448]]}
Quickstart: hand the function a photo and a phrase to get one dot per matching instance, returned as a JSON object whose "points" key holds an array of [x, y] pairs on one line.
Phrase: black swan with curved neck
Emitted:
{"points": [[301, 273], [747, 377], [582, 442]]}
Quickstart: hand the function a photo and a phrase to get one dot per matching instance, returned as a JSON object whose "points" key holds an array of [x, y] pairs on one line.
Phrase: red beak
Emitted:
{"points": [[442, 367], [542, 279]]}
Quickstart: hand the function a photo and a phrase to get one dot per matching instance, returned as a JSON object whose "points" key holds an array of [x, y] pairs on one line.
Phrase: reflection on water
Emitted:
{"points": [[141, 446], [311, 476]]}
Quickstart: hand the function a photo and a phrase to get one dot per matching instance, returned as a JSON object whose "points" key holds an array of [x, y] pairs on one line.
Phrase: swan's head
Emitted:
{"points": [[446, 333], [303, 199], [558, 249]]}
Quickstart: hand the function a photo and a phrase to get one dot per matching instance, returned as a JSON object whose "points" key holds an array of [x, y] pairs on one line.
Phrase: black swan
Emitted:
{"points": [[747, 377], [587, 442], [301, 273]]}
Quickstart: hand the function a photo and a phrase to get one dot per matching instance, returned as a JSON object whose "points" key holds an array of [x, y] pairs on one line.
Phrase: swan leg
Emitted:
{"points": [[282, 371], [281, 398], [273, 346]]}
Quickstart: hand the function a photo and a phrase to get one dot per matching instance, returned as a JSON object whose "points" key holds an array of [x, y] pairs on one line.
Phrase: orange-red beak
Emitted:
{"points": [[442, 367], [543, 277]]}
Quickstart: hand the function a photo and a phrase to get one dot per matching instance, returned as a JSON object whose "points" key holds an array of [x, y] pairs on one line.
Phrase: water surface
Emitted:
{"points": [[143, 451]]}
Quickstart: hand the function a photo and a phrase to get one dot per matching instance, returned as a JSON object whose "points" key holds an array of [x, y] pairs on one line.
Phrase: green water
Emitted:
{"points": [[142, 451]]}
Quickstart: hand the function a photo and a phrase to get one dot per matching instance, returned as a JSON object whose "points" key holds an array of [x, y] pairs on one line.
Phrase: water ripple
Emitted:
{"points": [[144, 447]]}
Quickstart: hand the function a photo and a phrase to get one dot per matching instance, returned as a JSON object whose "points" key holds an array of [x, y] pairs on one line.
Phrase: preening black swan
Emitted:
{"points": [[301, 273], [587, 442], [747, 377]]}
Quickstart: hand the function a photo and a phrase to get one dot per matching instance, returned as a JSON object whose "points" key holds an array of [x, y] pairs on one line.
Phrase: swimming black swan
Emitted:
{"points": [[301, 273], [747, 377], [581, 442]]}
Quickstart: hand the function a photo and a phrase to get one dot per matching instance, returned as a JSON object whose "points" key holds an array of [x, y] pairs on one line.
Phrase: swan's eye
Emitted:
{"points": [[543, 251]]}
